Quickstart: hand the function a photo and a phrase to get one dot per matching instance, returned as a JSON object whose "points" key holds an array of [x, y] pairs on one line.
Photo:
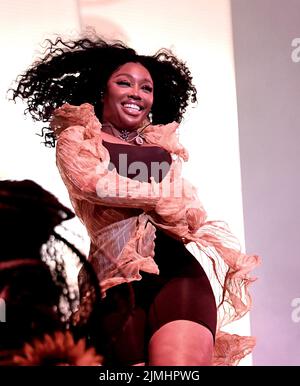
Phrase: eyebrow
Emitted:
{"points": [[130, 76]]}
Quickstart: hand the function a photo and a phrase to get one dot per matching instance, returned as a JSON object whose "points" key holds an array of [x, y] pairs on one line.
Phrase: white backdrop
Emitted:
{"points": [[267, 51]]}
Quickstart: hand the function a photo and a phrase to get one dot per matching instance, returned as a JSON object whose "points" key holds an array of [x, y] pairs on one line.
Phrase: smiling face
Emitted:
{"points": [[128, 97]]}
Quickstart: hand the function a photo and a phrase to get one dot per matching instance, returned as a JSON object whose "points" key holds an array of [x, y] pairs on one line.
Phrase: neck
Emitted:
{"points": [[125, 134]]}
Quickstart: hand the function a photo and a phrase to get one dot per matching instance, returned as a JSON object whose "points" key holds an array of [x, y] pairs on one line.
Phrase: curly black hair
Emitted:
{"points": [[77, 71]]}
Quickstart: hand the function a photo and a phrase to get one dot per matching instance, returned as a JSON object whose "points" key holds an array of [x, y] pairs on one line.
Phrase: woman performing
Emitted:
{"points": [[113, 115]]}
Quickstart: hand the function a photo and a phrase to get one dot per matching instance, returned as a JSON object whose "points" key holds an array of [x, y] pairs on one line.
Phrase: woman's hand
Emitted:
{"points": [[195, 217], [176, 210]]}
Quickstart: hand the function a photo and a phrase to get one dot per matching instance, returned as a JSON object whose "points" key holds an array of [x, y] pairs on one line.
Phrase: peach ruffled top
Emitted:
{"points": [[121, 216]]}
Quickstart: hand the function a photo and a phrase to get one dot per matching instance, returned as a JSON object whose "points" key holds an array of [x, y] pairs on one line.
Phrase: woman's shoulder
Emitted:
{"points": [[166, 137], [70, 115]]}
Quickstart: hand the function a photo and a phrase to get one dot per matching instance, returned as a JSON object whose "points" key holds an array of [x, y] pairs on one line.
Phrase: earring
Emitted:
{"points": [[150, 116]]}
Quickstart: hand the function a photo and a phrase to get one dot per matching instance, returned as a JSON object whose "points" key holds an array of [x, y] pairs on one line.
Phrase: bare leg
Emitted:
{"points": [[140, 364], [181, 343]]}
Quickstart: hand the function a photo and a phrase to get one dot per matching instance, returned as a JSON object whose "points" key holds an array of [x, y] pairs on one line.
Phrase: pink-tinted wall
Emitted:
{"points": [[267, 58]]}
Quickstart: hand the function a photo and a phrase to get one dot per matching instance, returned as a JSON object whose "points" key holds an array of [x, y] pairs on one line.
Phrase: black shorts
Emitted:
{"points": [[130, 314]]}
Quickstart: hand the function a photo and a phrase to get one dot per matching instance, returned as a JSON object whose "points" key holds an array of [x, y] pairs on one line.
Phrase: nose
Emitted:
{"points": [[134, 93]]}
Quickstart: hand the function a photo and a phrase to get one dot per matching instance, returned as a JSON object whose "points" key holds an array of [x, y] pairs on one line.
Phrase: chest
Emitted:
{"points": [[139, 162]]}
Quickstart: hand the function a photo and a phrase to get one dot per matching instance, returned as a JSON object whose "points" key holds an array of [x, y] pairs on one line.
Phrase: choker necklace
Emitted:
{"points": [[125, 134]]}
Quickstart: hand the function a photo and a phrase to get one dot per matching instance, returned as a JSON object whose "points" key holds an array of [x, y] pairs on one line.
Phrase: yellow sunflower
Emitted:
{"points": [[57, 350]]}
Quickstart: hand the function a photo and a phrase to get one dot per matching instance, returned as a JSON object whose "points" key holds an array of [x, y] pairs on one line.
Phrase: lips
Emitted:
{"points": [[132, 108]]}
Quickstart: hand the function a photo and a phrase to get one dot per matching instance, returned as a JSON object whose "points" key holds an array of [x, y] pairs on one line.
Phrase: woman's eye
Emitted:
{"points": [[123, 83], [147, 88]]}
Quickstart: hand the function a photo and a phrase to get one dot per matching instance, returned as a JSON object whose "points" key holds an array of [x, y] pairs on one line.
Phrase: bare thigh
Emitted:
{"points": [[181, 343]]}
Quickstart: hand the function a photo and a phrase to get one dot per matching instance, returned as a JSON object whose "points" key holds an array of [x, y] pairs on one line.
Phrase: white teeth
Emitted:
{"points": [[132, 106]]}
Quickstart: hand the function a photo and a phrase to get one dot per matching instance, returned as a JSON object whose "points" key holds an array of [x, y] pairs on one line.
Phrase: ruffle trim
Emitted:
{"points": [[231, 348]]}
